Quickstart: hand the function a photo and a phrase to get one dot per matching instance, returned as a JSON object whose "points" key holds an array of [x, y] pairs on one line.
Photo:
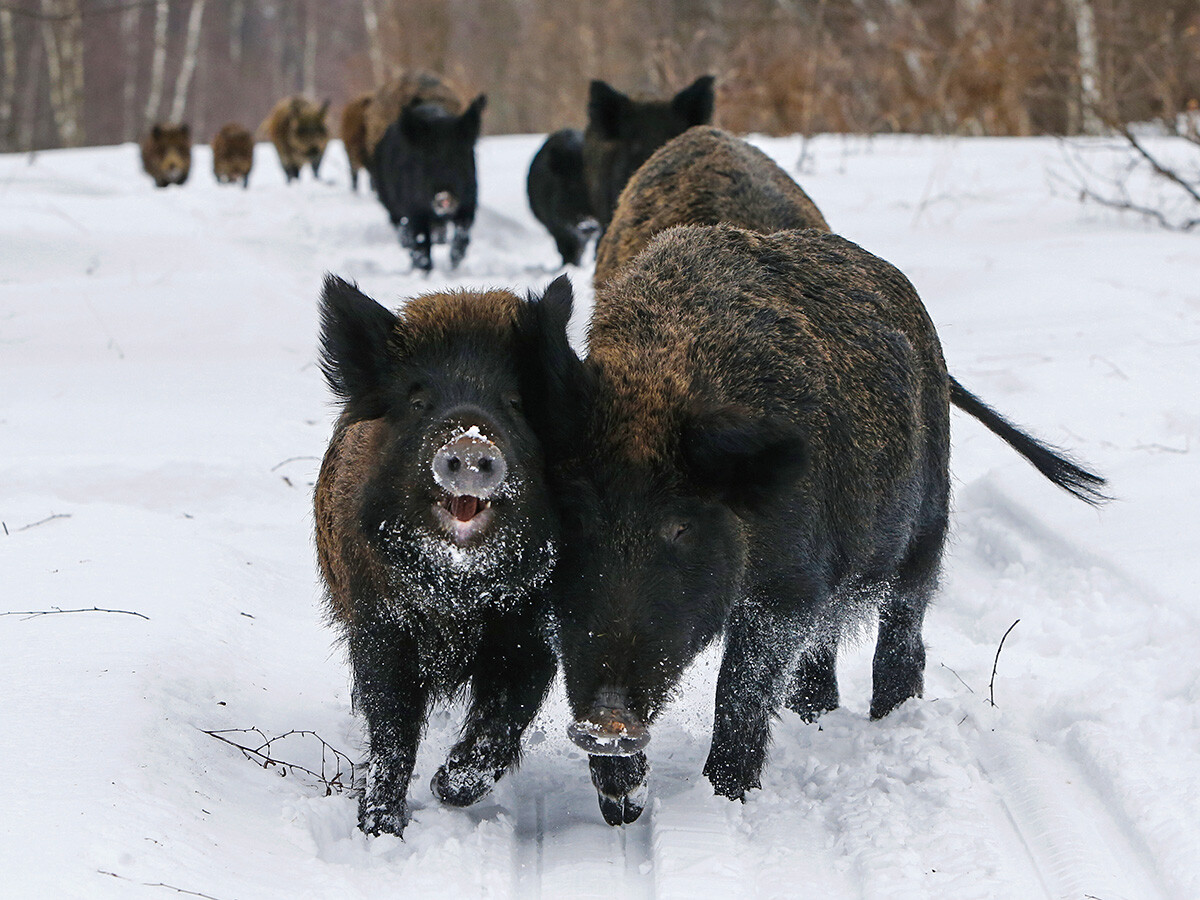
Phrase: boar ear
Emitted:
{"points": [[156, 131], [470, 123], [354, 341], [553, 378], [324, 108], [746, 458], [186, 130], [694, 104], [606, 109]]}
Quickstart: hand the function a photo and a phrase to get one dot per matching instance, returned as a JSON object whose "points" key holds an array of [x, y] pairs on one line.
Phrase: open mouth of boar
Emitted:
{"points": [[463, 517]]}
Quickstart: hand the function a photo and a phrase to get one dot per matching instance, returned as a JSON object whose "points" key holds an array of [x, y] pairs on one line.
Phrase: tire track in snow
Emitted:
{"points": [[1074, 844]]}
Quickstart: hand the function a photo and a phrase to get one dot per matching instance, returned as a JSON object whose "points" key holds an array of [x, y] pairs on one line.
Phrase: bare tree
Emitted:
{"points": [[8, 95], [158, 67], [1086, 108], [374, 42], [310, 48], [62, 33], [188, 66]]}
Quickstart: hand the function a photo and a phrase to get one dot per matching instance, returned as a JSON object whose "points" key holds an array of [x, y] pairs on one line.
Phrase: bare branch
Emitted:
{"points": [[338, 782], [996, 663], [160, 884], [42, 521], [29, 614]]}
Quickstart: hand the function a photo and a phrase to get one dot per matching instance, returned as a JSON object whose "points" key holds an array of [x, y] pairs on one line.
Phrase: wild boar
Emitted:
{"points": [[623, 131], [167, 153], [435, 536], [354, 135], [423, 163], [703, 177], [233, 154], [757, 447], [558, 194], [296, 126]]}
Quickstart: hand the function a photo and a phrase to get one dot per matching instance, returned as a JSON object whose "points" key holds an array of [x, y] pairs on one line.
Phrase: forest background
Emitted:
{"points": [[84, 72]]}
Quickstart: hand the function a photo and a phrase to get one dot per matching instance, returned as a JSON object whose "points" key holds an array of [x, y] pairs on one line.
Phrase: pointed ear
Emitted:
{"points": [[186, 131], [694, 104], [324, 109], [355, 332], [606, 108], [553, 378], [156, 132], [470, 123], [745, 458]]}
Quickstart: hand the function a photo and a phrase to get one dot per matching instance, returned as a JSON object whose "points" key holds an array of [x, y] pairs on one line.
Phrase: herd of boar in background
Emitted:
{"points": [[754, 450]]}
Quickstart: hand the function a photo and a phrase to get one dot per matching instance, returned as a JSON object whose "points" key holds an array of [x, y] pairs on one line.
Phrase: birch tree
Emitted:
{"points": [[374, 42], [62, 34], [187, 67], [8, 95], [1088, 114], [158, 66]]}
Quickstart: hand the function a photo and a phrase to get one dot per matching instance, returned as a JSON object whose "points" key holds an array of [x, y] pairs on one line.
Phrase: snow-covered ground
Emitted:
{"points": [[161, 420]]}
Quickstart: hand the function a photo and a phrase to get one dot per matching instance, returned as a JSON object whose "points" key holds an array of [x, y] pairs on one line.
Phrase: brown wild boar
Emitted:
{"points": [[407, 89], [167, 153], [354, 135], [296, 126], [233, 154], [703, 177]]}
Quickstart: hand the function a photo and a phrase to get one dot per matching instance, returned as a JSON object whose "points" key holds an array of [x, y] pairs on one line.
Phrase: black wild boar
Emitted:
{"points": [[423, 168], [233, 154], [703, 177], [756, 446], [296, 126], [167, 153], [558, 194], [354, 135], [623, 131], [435, 536]]}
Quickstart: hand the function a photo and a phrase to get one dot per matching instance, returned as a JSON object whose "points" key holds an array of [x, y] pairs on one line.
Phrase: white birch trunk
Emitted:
{"points": [[188, 67], [310, 48], [1089, 66], [8, 96], [158, 67], [130, 19], [237, 21], [62, 34], [374, 43]]}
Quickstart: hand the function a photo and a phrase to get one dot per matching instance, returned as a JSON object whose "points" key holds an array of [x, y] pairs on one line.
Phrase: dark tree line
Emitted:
{"points": [[98, 71]]}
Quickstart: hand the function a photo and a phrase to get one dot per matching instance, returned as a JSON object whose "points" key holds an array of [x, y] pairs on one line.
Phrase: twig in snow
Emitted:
{"points": [[41, 521], [160, 884], [292, 459], [261, 755], [959, 677], [996, 662], [29, 614]]}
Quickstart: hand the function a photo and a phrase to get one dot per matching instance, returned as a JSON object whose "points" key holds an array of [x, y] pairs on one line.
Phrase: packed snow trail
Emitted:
{"points": [[161, 423]]}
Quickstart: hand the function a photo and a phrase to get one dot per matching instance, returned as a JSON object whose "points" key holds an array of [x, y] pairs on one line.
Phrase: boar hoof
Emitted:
{"points": [[461, 786], [621, 810], [375, 818], [730, 781]]}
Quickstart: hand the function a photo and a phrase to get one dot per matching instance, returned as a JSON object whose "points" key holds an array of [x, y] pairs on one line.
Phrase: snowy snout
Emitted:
{"points": [[609, 731], [470, 469], [445, 204]]}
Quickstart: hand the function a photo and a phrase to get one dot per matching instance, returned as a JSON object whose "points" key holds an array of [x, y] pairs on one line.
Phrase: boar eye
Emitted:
{"points": [[514, 403], [674, 531], [416, 397]]}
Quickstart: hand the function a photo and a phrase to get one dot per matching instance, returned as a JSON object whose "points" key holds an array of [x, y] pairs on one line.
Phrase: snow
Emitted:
{"points": [[161, 423]]}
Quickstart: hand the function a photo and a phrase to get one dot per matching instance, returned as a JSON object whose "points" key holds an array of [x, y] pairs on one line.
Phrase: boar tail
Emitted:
{"points": [[1046, 459]]}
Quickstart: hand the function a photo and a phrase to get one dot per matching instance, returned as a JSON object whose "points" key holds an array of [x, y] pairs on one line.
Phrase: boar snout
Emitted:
{"points": [[445, 204], [469, 466], [609, 728]]}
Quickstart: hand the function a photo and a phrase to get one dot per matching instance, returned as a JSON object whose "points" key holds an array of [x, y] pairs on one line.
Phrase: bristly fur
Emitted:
{"points": [[354, 135], [297, 128], [558, 194], [703, 177], [167, 153]]}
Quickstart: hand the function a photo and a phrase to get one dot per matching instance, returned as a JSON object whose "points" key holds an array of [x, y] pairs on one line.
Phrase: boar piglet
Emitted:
{"points": [[623, 131], [233, 154], [167, 153], [558, 194], [435, 535], [756, 447], [297, 128]]}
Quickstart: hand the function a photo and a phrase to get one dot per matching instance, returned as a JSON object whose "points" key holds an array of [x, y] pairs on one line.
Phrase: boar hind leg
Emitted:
{"points": [[898, 670], [759, 646], [621, 786], [388, 688], [814, 688], [506, 690], [462, 237], [569, 245]]}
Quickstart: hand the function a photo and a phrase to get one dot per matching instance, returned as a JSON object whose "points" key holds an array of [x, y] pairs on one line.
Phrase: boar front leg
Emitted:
{"points": [[389, 689], [760, 644], [621, 786], [462, 237], [510, 680]]}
